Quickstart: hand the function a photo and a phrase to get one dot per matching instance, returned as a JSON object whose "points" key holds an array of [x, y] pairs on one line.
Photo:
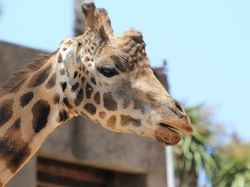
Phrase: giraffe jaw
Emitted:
{"points": [[169, 133]]}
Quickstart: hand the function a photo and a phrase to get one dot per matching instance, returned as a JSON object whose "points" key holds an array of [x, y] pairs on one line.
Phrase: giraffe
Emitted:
{"points": [[96, 75]]}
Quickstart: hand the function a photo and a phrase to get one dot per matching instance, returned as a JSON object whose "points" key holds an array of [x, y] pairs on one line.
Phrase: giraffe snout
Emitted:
{"points": [[174, 115]]}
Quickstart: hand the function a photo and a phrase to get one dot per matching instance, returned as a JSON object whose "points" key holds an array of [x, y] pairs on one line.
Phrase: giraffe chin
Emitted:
{"points": [[167, 135]]}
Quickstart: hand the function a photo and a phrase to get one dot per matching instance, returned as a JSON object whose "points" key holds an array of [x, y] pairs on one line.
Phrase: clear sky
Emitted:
{"points": [[206, 44]]}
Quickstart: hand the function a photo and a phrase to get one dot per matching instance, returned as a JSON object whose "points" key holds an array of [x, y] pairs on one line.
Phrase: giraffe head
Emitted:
{"points": [[111, 82]]}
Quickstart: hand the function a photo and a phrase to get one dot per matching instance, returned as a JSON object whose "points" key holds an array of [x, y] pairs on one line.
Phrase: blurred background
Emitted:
{"points": [[206, 45]]}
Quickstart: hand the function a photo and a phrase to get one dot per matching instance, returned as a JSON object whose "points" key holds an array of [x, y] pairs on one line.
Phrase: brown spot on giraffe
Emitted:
{"points": [[109, 102], [67, 103], [6, 111], [64, 86], [40, 111], [79, 44], [51, 82], [63, 116], [56, 99], [17, 160], [59, 60], [111, 122], [97, 98], [83, 69], [13, 149], [17, 124], [39, 77], [126, 103], [93, 80], [90, 53], [26, 98], [86, 59], [138, 105], [128, 120], [75, 74], [75, 86], [79, 97], [14, 152], [89, 90], [102, 115], [82, 80], [90, 108]]}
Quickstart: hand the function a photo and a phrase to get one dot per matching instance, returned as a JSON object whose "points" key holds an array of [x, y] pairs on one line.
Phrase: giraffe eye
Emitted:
{"points": [[108, 70]]}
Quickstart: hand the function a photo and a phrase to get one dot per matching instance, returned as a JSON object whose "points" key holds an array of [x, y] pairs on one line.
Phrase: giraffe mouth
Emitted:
{"points": [[164, 125], [167, 135]]}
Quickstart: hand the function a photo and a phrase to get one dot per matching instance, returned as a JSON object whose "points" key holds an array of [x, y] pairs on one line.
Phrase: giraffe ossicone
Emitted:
{"points": [[99, 76]]}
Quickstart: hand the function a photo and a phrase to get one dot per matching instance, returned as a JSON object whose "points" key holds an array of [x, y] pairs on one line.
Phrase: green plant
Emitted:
{"points": [[196, 152], [234, 165]]}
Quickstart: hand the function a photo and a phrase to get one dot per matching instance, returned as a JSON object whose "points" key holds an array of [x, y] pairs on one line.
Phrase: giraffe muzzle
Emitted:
{"points": [[167, 135], [174, 122], [169, 132]]}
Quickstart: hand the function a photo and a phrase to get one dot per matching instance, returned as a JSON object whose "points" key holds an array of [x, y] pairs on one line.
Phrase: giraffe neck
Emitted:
{"points": [[31, 110]]}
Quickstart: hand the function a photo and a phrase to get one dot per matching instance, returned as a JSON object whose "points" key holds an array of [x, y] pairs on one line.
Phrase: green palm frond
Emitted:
{"points": [[225, 165], [234, 164], [196, 152]]}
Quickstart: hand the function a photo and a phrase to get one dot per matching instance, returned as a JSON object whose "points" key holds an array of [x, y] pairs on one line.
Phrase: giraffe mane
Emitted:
{"points": [[16, 80]]}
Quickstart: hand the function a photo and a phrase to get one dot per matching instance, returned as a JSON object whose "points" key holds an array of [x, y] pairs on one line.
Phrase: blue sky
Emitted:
{"points": [[206, 44]]}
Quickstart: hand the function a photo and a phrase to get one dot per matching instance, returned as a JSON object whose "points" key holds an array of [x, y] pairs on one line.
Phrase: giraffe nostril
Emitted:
{"points": [[179, 106]]}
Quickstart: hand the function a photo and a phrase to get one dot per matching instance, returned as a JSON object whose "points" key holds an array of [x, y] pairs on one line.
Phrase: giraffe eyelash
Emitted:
{"points": [[108, 70]]}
